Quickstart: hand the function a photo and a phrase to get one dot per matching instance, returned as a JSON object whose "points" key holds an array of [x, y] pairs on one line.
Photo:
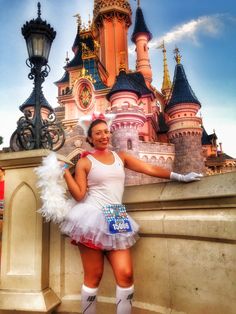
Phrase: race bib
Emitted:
{"points": [[117, 218]]}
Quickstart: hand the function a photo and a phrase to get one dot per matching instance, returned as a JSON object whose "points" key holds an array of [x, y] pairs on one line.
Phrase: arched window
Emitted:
{"points": [[129, 144]]}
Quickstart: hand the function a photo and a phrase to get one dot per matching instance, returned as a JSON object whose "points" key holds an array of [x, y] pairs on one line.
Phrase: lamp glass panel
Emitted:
{"points": [[46, 48], [29, 46], [38, 45]]}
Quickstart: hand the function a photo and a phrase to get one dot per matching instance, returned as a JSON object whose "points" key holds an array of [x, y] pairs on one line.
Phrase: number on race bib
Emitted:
{"points": [[117, 218]]}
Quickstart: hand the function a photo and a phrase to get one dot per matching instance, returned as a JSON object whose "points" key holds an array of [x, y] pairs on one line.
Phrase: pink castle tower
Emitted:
{"points": [[124, 97], [112, 20], [185, 130], [130, 117], [141, 36]]}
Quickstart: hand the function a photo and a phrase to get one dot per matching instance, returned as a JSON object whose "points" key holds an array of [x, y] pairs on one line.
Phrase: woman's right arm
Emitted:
{"points": [[78, 185]]}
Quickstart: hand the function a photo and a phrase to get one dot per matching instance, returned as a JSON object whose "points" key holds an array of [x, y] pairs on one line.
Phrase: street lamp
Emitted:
{"points": [[38, 127]]}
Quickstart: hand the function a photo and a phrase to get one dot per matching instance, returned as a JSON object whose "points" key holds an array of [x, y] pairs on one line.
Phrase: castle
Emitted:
{"points": [[160, 127]]}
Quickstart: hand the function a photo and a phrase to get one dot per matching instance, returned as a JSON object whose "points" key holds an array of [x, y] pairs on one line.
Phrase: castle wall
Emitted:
{"points": [[159, 154]]}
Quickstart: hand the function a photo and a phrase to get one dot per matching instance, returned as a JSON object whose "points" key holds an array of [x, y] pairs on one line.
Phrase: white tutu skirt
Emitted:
{"points": [[86, 223]]}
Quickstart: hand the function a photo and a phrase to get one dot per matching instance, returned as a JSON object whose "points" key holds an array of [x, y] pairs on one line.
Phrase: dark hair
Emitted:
{"points": [[93, 124]]}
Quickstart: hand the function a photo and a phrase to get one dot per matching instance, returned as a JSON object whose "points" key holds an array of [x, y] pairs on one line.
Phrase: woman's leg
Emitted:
{"points": [[93, 262], [121, 262]]}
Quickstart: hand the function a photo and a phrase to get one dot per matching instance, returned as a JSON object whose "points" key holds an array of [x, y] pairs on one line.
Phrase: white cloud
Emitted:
{"points": [[190, 31]]}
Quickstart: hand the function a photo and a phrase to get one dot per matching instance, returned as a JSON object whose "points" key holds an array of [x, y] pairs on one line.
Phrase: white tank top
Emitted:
{"points": [[105, 182]]}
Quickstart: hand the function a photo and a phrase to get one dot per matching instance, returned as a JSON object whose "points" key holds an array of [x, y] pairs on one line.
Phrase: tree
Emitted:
{"points": [[1, 140]]}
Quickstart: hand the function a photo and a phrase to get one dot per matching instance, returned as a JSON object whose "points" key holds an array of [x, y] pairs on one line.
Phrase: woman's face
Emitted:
{"points": [[100, 136]]}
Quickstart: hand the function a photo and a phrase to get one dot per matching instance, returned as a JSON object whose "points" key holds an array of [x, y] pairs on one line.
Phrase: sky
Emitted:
{"points": [[204, 31]]}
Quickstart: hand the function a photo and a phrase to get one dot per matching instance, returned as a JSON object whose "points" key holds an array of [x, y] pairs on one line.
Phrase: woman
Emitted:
{"points": [[98, 224]]}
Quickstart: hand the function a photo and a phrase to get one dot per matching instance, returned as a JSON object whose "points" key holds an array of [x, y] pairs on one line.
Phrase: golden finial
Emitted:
{"points": [[67, 58], [161, 46], [177, 55], [78, 20], [83, 71], [85, 74], [96, 46]]}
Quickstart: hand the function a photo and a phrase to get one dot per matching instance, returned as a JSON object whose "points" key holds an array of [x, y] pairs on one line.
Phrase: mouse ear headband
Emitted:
{"points": [[86, 120]]}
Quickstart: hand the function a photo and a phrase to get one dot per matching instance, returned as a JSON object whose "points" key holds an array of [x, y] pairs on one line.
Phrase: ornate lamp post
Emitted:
{"points": [[38, 127]]}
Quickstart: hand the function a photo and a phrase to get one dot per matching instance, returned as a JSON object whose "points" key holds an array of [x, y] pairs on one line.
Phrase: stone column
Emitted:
{"points": [[24, 281]]}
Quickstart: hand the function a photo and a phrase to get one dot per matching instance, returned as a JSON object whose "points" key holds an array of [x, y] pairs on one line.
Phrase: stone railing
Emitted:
{"points": [[184, 260]]}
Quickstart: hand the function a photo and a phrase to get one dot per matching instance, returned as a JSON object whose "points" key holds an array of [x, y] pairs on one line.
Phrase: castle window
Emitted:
{"points": [[129, 144]]}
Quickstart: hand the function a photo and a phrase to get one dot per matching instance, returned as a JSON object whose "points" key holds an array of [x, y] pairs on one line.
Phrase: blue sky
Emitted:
{"points": [[204, 31]]}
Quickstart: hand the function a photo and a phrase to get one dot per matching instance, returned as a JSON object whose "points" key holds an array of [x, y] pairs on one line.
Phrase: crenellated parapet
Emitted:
{"points": [[183, 120], [108, 9], [131, 119]]}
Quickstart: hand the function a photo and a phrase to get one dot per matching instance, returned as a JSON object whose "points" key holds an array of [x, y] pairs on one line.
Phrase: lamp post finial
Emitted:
{"points": [[39, 10]]}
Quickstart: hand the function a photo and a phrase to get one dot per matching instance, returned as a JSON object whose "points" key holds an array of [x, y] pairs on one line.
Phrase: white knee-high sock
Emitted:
{"points": [[124, 298], [88, 300]]}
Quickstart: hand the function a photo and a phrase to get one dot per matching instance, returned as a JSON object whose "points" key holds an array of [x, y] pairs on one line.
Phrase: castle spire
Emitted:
{"points": [[140, 25], [141, 36], [181, 90], [166, 84], [75, 46]]}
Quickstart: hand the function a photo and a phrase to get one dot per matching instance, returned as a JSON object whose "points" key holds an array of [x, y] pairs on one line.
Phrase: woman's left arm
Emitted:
{"points": [[138, 165]]}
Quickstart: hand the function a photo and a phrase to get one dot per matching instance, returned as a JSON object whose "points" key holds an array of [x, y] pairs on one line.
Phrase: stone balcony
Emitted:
{"points": [[184, 260]]}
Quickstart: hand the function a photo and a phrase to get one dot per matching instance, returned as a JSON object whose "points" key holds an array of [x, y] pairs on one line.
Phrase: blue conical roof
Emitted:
{"points": [[140, 25], [30, 101], [65, 78], [123, 83], [181, 90]]}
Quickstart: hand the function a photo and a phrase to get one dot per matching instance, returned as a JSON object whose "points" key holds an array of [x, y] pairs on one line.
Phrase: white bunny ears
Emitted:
{"points": [[86, 120]]}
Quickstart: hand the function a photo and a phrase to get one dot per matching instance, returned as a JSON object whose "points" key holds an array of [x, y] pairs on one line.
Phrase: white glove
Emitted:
{"points": [[189, 177]]}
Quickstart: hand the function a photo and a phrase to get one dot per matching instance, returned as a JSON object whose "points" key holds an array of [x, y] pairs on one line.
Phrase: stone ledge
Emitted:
{"points": [[184, 195], [32, 158]]}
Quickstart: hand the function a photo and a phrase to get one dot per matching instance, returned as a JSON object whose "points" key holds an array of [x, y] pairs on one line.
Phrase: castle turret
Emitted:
{"points": [[141, 36], [112, 20], [124, 97], [185, 129]]}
